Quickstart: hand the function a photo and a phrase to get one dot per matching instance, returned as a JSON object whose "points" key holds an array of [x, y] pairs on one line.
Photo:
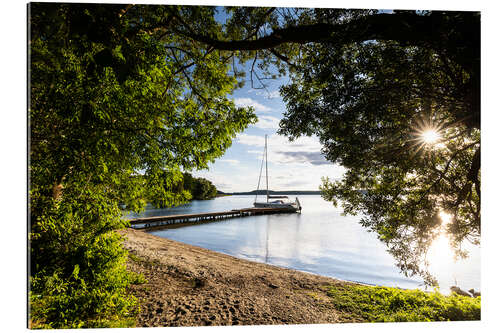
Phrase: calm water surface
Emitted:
{"points": [[319, 240]]}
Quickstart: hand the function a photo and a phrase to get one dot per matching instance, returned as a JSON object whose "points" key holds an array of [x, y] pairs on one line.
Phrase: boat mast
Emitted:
{"points": [[260, 175], [267, 183]]}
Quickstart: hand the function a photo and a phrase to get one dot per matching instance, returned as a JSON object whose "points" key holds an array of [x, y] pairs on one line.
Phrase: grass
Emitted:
{"points": [[383, 304]]}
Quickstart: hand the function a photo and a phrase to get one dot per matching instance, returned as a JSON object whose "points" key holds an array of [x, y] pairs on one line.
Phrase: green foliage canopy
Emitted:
{"points": [[112, 98], [371, 103]]}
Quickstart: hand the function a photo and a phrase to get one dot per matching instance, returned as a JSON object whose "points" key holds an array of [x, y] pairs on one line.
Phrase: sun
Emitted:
{"points": [[446, 218], [430, 136]]}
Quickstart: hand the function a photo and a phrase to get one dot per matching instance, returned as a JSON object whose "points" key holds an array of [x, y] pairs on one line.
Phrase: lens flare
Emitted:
{"points": [[430, 136]]}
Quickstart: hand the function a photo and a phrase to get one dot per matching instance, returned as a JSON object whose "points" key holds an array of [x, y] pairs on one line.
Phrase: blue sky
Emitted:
{"points": [[297, 165]]}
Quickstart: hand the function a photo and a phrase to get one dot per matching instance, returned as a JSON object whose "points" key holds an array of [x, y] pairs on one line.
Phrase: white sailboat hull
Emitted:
{"points": [[293, 206], [274, 205]]}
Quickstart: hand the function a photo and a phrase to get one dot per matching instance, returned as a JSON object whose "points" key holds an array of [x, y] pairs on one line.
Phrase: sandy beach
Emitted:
{"points": [[191, 286]]}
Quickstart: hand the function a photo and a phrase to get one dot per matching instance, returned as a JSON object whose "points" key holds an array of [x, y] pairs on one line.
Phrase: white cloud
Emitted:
{"points": [[266, 122], [277, 142], [289, 176], [250, 140], [231, 182], [245, 101], [303, 151], [301, 177], [315, 158], [232, 162], [269, 94], [296, 165]]}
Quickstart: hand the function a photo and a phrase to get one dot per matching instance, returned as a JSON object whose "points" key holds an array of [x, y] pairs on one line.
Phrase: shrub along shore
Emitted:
{"points": [[186, 285]]}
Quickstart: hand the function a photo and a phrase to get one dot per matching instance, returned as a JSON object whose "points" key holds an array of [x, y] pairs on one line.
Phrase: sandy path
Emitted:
{"points": [[192, 286]]}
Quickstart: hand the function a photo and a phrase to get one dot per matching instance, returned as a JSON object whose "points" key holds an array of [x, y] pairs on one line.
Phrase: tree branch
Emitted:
{"points": [[445, 170], [193, 89], [257, 28], [282, 58], [404, 27]]}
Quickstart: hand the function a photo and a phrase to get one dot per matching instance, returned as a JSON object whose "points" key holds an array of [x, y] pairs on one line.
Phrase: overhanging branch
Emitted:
{"points": [[407, 28]]}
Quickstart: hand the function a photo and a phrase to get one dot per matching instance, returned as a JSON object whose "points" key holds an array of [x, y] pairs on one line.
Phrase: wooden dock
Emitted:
{"points": [[157, 221]]}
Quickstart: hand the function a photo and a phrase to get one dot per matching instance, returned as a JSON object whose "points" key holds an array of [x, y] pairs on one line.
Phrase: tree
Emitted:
{"points": [[187, 187], [203, 189], [376, 88], [374, 106], [199, 188], [373, 110], [171, 190], [111, 99]]}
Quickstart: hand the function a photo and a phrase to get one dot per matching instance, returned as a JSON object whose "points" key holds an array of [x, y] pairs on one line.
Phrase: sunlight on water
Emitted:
{"points": [[440, 251], [446, 268]]}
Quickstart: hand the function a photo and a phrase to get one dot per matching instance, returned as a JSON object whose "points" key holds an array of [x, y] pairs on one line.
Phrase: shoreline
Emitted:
{"points": [[191, 286], [186, 285]]}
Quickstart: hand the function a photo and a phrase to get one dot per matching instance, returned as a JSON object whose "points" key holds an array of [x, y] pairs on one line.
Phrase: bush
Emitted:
{"points": [[78, 266]]}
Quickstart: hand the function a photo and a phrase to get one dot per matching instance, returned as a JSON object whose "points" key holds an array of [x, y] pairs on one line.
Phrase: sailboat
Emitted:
{"points": [[280, 201]]}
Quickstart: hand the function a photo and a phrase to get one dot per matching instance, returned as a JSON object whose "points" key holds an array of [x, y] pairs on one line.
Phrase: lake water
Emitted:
{"points": [[319, 240]]}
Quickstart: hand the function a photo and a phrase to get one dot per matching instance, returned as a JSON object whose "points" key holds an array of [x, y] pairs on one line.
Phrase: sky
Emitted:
{"points": [[297, 165]]}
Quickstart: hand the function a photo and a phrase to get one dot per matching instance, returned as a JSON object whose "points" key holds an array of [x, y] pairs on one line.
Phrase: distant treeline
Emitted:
{"points": [[178, 189], [263, 192], [200, 188]]}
